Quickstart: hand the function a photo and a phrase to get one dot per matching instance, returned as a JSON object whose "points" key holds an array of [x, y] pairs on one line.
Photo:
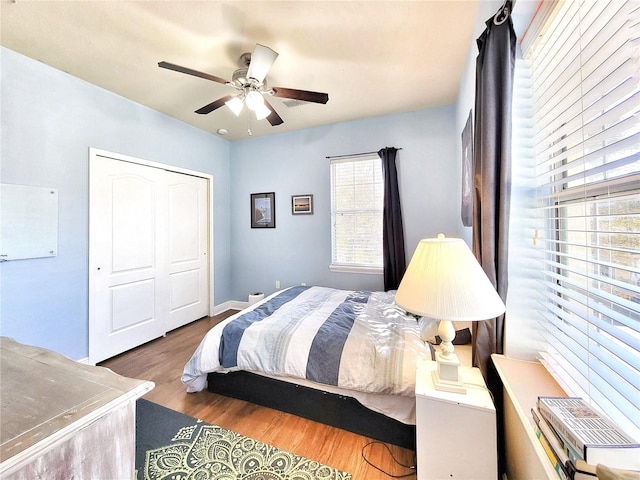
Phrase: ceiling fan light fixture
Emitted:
{"points": [[262, 111], [254, 100], [235, 105]]}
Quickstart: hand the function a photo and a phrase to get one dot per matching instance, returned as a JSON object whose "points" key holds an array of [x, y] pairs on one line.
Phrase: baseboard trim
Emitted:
{"points": [[228, 305]]}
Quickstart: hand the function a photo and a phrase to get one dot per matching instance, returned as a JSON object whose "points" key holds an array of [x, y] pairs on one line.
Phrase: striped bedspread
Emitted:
{"points": [[355, 340]]}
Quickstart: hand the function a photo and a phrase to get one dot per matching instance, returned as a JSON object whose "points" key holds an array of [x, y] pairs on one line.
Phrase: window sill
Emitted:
{"points": [[356, 269], [522, 383]]}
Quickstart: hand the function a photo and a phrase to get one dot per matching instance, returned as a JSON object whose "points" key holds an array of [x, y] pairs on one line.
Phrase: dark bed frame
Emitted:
{"points": [[324, 407]]}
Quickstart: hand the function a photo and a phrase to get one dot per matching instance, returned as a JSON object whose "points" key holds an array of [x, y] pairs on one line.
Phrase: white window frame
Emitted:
{"points": [[587, 153], [374, 188]]}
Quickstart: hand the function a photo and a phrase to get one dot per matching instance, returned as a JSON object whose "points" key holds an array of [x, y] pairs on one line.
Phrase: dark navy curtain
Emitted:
{"points": [[492, 188], [492, 170], [392, 232]]}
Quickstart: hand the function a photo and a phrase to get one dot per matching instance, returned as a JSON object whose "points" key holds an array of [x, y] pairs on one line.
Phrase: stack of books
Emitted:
{"points": [[576, 439]]}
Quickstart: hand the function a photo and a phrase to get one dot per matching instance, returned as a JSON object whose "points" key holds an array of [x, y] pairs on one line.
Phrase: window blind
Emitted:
{"points": [[585, 78], [357, 193]]}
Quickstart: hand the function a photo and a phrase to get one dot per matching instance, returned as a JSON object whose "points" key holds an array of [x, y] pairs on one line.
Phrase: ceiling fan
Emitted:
{"points": [[249, 81]]}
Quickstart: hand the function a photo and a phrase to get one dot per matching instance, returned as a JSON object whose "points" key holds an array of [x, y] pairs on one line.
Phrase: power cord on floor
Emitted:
{"points": [[411, 467]]}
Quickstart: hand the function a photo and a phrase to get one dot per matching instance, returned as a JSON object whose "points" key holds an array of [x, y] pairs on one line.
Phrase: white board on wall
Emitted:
{"points": [[28, 222]]}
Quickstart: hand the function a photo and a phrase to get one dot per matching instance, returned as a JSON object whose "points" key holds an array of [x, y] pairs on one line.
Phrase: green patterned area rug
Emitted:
{"points": [[174, 446]]}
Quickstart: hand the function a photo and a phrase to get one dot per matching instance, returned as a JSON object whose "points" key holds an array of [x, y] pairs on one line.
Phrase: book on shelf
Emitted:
{"points": [[563, 458], [562, 454], [580, 470], [555, 463], [592, 437]]}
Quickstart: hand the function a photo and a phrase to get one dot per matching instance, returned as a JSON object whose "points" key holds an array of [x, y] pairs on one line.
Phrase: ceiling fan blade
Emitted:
{"points": [[304, 95], [273, 118], [189, 71], [261, 60], [214, 105]]}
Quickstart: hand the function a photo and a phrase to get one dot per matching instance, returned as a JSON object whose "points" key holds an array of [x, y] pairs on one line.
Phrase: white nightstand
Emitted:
{"points": [[455, 433]]}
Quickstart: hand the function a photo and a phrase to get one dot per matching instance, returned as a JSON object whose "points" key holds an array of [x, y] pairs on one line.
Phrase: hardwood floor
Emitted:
{"points": [[162, 361]]}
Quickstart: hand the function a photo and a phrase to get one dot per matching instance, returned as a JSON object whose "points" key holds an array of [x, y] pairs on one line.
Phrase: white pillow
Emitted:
{"points": [[428, 328]]}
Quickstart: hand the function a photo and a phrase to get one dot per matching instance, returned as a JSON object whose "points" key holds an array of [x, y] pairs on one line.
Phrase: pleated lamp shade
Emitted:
{"points": [[444, 281]]}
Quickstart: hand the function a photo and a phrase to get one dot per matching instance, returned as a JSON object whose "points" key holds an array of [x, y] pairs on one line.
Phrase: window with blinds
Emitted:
{"points": [[585, 65], [357, 194]]}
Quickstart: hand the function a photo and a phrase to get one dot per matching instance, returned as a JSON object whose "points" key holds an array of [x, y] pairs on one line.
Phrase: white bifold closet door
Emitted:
{"points": [[148, 254]]}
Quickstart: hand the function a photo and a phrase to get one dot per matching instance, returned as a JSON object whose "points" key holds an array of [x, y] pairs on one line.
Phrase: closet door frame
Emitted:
{"points": [[94, 153]]}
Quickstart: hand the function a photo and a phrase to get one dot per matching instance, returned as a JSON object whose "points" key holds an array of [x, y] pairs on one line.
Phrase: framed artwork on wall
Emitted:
{"points": [[302, 204], [263, 210], [467, 172]]}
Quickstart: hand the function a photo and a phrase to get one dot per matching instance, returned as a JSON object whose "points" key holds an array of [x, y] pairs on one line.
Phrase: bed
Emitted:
{"points": [[341, 357]]}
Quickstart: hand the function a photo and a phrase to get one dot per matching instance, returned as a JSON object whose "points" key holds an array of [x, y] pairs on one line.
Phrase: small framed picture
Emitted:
{"points": [[263, 210], [302, 204]]}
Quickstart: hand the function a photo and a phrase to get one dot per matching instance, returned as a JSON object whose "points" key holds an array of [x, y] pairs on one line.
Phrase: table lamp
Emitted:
{"points": [[444, 281]]}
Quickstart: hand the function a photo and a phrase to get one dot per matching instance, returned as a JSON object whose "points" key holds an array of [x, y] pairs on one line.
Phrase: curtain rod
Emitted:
{"points": [[356, 154]]}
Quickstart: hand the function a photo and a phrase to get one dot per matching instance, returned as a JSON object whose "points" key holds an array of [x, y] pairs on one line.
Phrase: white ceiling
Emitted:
{"points": [[371, 57]]}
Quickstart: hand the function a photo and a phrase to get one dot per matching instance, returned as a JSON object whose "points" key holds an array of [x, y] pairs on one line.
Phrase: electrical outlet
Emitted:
{"points": [[277, 283]]}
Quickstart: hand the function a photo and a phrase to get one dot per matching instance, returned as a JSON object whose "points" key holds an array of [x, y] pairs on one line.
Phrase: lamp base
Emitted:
{"points": [[446, 377]]}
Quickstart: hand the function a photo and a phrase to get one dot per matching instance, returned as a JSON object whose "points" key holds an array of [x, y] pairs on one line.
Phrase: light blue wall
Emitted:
{"points": [[49, 121], [299, 248]]}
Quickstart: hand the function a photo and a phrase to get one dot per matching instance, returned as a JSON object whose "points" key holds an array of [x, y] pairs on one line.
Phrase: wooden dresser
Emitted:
{"points": [[64, 419]]}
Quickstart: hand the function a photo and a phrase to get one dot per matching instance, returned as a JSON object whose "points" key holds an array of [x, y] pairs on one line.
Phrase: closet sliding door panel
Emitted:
{"points": [[188, 240], [127, 297]]}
